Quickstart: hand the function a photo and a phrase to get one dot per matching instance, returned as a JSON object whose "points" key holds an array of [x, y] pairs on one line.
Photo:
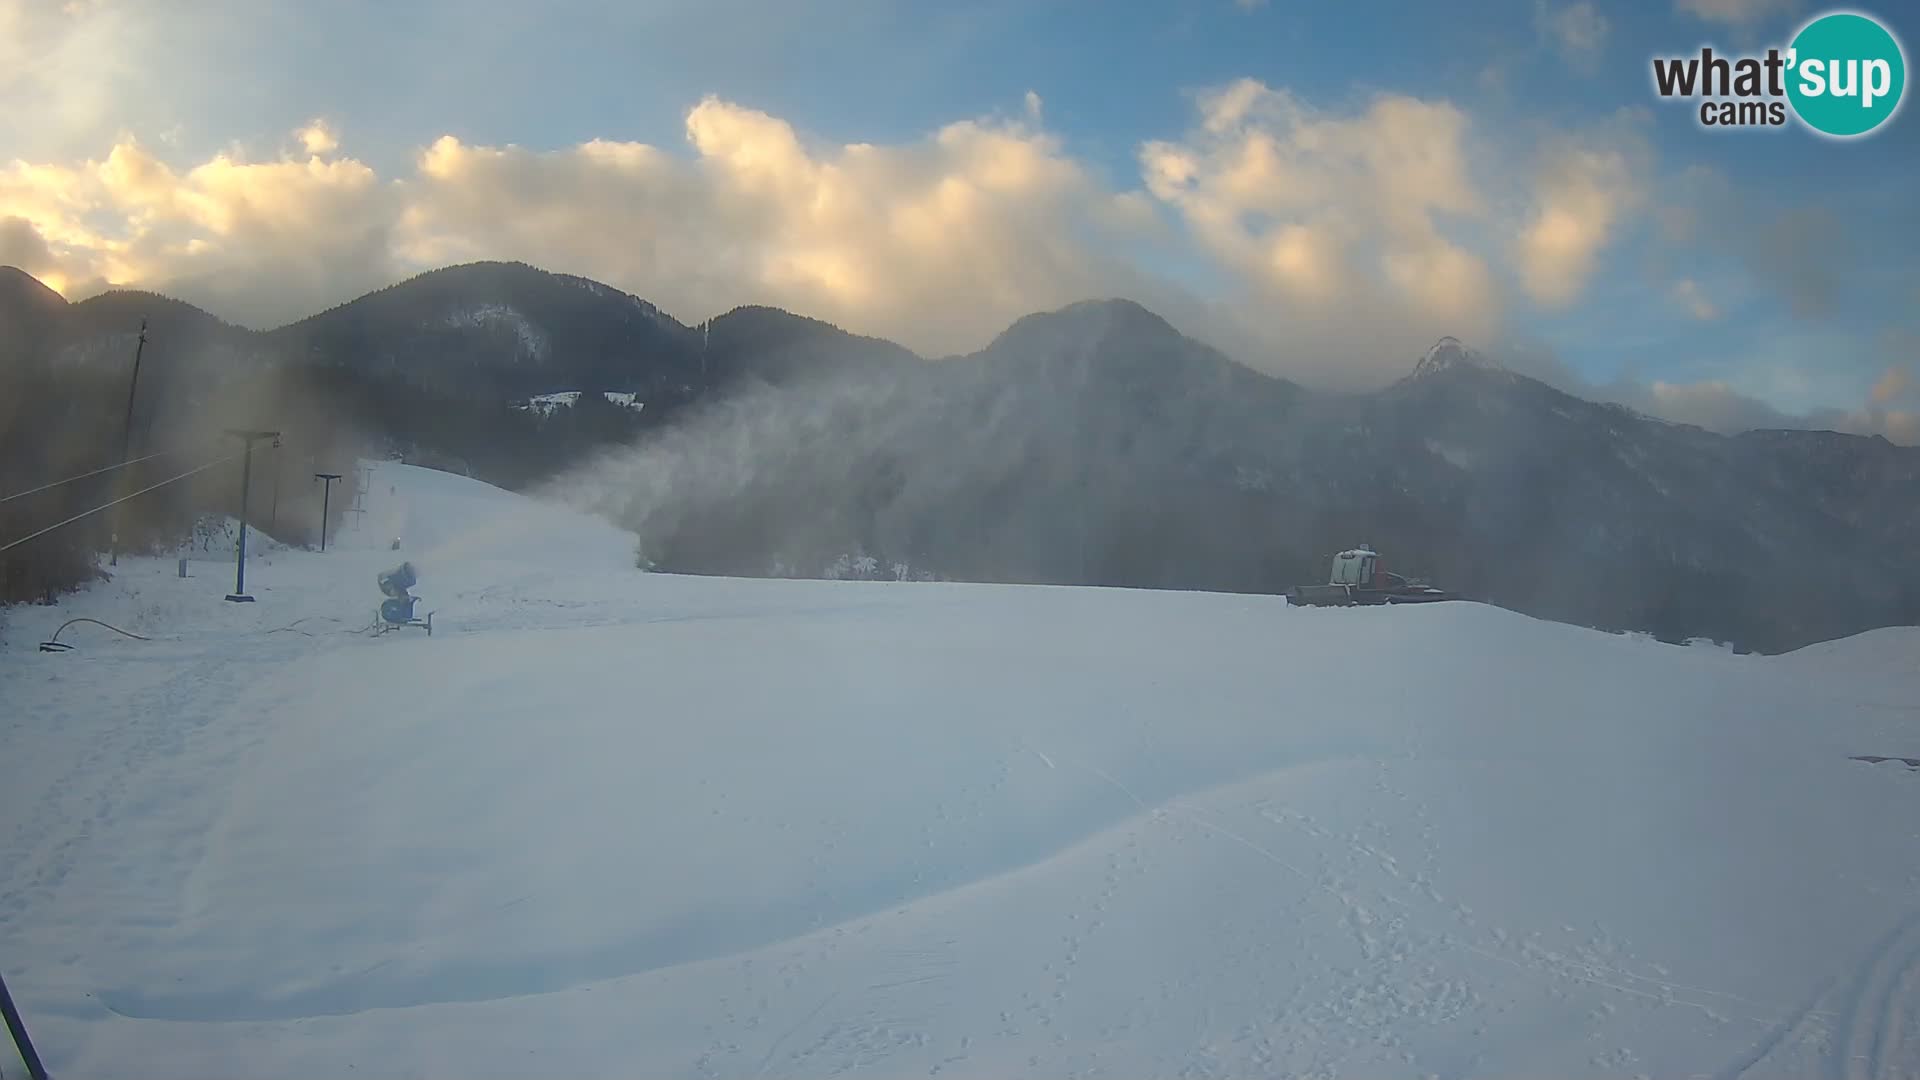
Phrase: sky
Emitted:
{"points": [[1317, 189]]}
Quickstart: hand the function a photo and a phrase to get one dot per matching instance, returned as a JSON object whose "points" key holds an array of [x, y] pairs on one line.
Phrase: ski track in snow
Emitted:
{"points": [[844, 852]]}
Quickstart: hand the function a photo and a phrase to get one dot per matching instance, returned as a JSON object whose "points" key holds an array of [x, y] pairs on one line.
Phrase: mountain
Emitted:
{"points": [[435, 365], [1097, 445], [1449, 353], [767, 345], [29, 312], [1515, 492], [1094, 444], [502, 328]]}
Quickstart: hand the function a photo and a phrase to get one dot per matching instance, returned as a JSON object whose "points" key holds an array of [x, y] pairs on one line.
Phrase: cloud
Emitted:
{"points": [[1891, 408], [1585, 187], [267, 240], [1337, 225], [65, 68], [1706, 213], [1336, 244], [1733, 12], [1687, 293], [1894, 384], [318, 138], [1577, 31], [1711, 404], [1776, 250], [22, 245], [938, 243]]}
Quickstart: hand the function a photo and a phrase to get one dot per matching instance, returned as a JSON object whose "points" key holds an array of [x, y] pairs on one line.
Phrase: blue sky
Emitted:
{"points": [[1774, 262]]}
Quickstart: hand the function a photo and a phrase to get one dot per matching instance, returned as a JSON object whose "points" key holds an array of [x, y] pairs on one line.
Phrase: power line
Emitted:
{"points": [[11, 544], [84, 475]]}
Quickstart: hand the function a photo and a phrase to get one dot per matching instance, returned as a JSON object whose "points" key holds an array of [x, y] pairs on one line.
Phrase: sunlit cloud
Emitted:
{"points": [[1337, 243], [1585, 189], [1334, 224], [318, 138]]}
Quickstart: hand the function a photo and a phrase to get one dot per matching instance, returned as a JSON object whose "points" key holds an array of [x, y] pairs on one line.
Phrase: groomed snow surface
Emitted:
{"points": [[612, 824]]}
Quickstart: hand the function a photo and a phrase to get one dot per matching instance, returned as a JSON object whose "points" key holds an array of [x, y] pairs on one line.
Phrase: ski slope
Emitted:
{"points": [[613, 824]]}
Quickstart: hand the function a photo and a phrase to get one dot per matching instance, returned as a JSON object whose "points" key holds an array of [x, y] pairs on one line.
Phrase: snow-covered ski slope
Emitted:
{"points": [[606, 823]]}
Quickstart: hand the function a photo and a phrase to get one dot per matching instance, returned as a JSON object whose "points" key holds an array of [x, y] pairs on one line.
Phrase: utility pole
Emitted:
{"points": [[326, 497], [273, 516], [239, 594], [126, 436]]}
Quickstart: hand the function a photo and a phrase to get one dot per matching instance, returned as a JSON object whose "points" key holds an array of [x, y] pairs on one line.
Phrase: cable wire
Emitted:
{"points": [[55, 639], [85, 475], [11, 544]]}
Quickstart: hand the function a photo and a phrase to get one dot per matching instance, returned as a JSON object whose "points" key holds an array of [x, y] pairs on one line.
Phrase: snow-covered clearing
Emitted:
{"points": [[545, 404], [606, 823]]}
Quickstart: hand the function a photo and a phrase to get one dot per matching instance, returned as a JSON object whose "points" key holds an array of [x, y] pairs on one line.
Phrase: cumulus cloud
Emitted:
{"points": [[1776, 251], [1586, 187], [1337, 243], [22, 245], [1578, 31], [1894, 384], [1711, 404], [1891, 408], [937, 243], [1739, 13], [1342, 241], [67, 68], [1337, 223], [1706, 212], [270, 240], [1688, 294], [318, 138]]}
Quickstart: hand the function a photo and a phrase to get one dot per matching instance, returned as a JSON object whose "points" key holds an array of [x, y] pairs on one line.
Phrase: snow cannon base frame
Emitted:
{"points": [[383, 625]]}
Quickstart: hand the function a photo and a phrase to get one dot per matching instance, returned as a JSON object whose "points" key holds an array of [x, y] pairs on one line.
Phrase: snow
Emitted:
{"points": [[606, 823], [1450, 352], [1458, 457], [544, 404], [532, 341]]}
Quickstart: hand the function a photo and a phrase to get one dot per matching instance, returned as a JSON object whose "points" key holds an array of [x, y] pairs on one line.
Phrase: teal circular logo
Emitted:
{"points": [[1846, 74]]}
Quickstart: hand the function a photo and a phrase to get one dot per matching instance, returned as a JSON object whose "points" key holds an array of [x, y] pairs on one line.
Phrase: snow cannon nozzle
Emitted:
{"points": [[397, 581]]}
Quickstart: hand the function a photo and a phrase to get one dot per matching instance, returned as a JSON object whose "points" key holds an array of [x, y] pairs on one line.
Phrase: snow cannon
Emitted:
{"points": [[397, 609]]}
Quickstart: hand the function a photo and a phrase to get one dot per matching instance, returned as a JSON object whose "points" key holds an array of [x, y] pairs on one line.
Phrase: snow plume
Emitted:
{"points": [[1027, 462], [67, 418], [789, 482], [759, 482], [318, 432]]}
